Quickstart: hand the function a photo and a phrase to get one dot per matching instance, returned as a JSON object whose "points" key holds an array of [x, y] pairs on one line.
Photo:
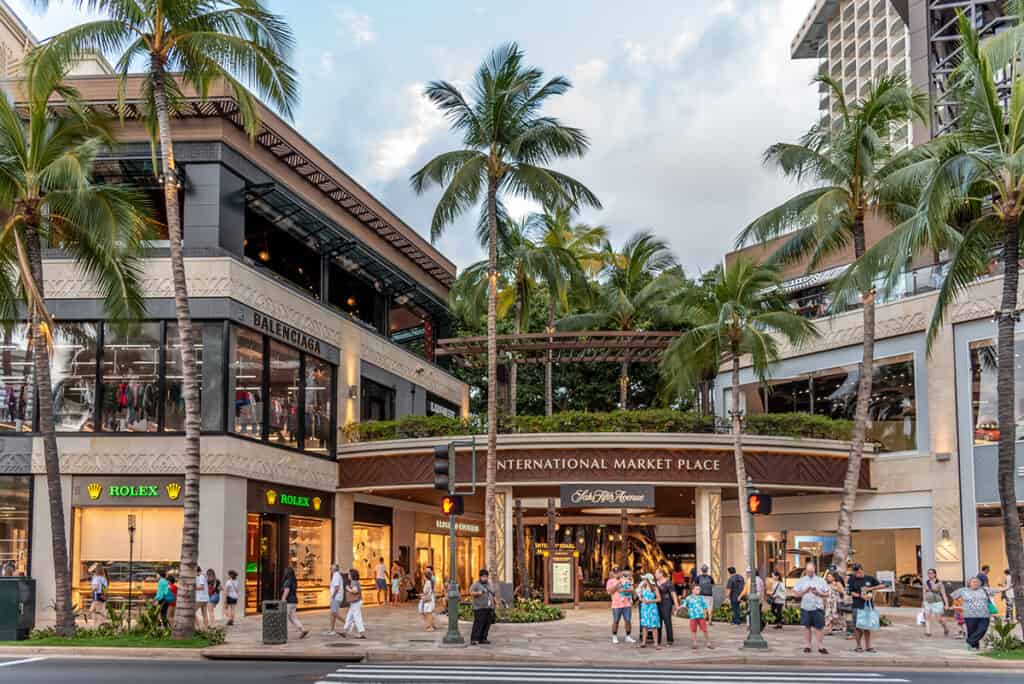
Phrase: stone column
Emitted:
{"points": [[709, 530], [222, 528], [503, 517], [344, 517], [41, 548]]}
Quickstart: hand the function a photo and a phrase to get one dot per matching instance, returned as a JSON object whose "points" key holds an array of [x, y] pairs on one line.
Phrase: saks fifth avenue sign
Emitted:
{"points": [[610, 496]]}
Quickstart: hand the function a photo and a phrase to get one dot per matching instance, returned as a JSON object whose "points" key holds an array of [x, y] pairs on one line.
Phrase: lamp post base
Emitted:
{"points": [[755, 640]]}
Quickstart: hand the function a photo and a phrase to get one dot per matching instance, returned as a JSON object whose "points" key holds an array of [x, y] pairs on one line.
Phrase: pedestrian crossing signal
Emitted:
{"points": [[452, 505], [759, 504]]}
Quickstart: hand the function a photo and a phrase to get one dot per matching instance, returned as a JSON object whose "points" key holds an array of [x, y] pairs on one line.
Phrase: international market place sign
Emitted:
{"points": [[119, 491]]}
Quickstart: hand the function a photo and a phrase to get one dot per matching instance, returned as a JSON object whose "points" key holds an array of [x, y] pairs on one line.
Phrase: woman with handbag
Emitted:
{"points": [[977, 610], [865, 617], [778, 598], [669, 603], [935, 603], [426, 606]]}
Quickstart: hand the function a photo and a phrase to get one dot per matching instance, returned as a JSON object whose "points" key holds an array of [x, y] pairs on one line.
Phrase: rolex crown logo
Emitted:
{"points": [[94, 489], [316, 503], [173, 491], [271, 497]]}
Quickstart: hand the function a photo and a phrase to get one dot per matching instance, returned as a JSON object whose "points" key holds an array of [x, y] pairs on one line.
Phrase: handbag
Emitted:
{"points": [[992, 610], [867, 617]]}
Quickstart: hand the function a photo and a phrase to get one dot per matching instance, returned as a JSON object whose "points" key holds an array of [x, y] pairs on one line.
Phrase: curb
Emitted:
{"points": [[319, 655], [110, 652]]}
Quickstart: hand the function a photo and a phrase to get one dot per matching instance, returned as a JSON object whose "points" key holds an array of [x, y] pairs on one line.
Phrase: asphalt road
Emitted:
{"points": [[101, 671]]}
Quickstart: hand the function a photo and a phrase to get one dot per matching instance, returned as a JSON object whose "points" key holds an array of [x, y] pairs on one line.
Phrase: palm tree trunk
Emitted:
{"points": [[1005, 387], [737, 452], [624, 385], [549, 407], [51, 457], [860, 427], [184, 621], [513, 369], [490, 520]]}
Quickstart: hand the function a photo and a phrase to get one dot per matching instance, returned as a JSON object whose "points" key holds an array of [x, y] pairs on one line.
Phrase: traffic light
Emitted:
{"points": [[759, 504], [443, 467], [452, 505]]}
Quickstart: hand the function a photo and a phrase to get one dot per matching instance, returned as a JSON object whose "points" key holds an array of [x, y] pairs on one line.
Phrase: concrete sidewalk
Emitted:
{"points": [[395, 634]]}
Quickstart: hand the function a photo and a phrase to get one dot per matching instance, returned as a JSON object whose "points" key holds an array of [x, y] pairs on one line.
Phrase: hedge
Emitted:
{"points": [[651, 420]]}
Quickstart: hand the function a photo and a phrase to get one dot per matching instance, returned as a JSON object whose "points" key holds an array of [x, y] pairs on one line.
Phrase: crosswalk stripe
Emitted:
{"points": [[23, 661], [697, 671], [500, 674]]}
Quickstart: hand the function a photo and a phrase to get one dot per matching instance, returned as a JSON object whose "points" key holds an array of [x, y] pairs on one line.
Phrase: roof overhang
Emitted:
{"points": [[814, 29]]}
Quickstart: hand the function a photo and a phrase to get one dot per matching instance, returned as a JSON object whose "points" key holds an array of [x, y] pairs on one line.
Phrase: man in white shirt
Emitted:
{"points": [[337, 595], [812, 590], [380, 577]]}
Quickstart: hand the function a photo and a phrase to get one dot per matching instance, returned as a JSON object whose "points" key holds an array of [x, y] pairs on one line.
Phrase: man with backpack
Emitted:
{"points": [[705, 581], [735, 586]]}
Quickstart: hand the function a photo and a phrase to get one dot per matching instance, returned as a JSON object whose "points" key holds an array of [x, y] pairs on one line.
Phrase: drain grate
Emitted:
{"points": [[422, 641], [339, 644]]}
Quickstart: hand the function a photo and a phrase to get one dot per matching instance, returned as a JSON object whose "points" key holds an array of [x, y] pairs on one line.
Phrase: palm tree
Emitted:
{"points": [[850, 166], [575, 249], [506, 146], [191, 43], [737, 312], [969, 187], [636, 287], [47, 197]]}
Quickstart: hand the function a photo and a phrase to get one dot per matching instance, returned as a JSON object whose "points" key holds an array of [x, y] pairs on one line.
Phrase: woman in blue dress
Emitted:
{"points": [[650, 619]]}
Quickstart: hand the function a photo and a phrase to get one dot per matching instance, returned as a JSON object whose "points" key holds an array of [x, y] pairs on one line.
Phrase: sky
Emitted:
{"points": [[679, 99]]}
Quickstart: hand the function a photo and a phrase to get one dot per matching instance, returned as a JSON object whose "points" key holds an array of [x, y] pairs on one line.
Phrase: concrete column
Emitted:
{"points": [[709, 530], [41, 548], [344, 517], [222, 529]]}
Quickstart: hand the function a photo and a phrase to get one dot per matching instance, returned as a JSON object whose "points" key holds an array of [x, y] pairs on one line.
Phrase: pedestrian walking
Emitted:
{"points": [[396, 583], [812, 591], [621, 594], [934, 603], [98, 586], [290, 595], [861, 585], [834, 620], [1008, 594], [678, 579], [427, 600], [983, 575], [698, 612], [337, 598], [202, 599], [163, 597], [669, 604], [976, 600], [755, 585], [778, 598], [354, 617], [214, 588], [650, 620], [705, 581], [735, 586], [231, 597], [483, 608], [380, 580], [173, 582]]}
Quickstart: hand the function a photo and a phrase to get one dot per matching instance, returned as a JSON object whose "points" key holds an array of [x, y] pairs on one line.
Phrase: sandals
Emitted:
{"points": [[807, 650], [858, 650], [823, 651], [871, 650]]}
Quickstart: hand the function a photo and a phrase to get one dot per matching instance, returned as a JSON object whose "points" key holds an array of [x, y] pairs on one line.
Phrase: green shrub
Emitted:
{"points": [[525, 610], [649, 420], [1001, 637]]}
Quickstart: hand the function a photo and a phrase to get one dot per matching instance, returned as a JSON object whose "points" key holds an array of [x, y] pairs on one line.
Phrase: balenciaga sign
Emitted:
{"points": [[607, 496], [283, 331]]}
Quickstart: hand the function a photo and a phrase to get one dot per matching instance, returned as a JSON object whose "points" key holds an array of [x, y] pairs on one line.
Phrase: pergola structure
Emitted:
{"points": [[592, 346]]}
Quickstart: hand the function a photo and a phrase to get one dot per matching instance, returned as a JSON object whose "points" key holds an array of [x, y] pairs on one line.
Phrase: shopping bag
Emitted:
{"points": [[867, 617], [921, 617], [992, 610]]}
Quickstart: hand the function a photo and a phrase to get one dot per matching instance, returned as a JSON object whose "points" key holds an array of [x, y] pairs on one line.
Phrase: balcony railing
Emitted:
{"points": [[909, 284]]}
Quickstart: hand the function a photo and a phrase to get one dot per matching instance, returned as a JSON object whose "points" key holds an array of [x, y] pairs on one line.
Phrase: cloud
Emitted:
{"points": [[398, 147], [358, 27]]}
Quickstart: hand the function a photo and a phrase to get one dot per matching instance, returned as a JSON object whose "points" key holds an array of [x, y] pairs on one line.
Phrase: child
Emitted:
{"points": [[699, 612], [958, 613], [626, 586], [231, 600]]}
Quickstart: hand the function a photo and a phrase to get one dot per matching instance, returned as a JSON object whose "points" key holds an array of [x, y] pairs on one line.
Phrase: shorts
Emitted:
{"points": [[814, 619], [335, 605], [231, 601], [698, 623], [937, 608], [426, 607], [382, 584], [396, 585], [622, 614]]}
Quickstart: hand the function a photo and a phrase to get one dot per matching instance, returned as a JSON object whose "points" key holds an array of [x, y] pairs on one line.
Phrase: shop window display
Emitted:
{"points": [[174, 386], [131, 378], [432, 549], [319, 381], [15, 504], [16, 387], [309, 552], [73, 376], [369, 543], [984, 394], [284, 395], [246, 372]]}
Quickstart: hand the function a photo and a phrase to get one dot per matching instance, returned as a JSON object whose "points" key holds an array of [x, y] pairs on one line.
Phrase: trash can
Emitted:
{"points": [[17, 607], [275, 622]]}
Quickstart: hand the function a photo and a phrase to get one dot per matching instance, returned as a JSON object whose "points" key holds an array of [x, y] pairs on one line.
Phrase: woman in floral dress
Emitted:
{"points": [[650, 619], [834, 620]]}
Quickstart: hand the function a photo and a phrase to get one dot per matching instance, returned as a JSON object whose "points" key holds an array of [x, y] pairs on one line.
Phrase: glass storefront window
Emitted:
{"points": [[131, 378], [17, 400], [432, 549], [284, 395], [892, 411], [174, 388], [984, 394], [246, 376], [309, 551], [369, 543], [100, 538], [15, 503], [319, 381], [73, 376]]}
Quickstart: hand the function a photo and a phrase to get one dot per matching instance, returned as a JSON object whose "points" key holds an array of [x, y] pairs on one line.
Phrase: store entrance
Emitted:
{"points": [[264, 556]]}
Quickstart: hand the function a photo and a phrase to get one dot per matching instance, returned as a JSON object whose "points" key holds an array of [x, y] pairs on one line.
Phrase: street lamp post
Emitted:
{"points": [[755, 639], [453, 636], [131, 573]]}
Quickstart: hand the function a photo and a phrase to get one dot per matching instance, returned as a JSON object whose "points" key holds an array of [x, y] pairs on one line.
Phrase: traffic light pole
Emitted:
{"points": [[453, 636], [755, 639]]}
